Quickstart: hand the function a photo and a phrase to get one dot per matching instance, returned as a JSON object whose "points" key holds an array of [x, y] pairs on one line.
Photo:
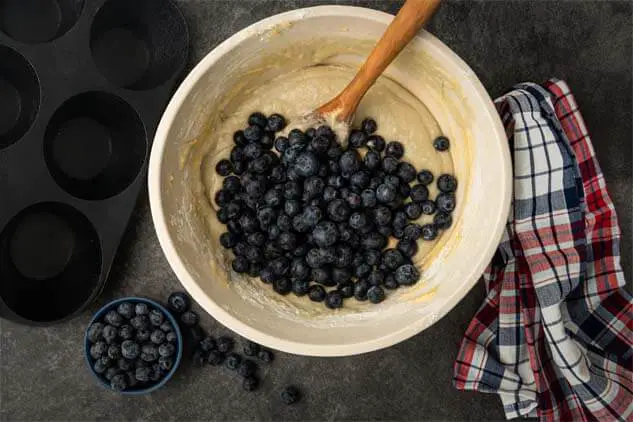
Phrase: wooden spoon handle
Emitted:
{"points": [[412, 15]]}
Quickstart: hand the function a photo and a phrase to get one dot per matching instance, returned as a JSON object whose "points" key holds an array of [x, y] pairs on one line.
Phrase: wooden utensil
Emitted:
{"points": [[410, 18]]}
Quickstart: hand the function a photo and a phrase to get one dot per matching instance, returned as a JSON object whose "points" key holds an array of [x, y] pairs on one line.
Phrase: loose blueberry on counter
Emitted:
{"points": [[232, 361], [250, 383], [290, 395], [265, 355], [246, 368], [215, 357], [441, 143], [189, 318], [225, 344], [251, 348]]}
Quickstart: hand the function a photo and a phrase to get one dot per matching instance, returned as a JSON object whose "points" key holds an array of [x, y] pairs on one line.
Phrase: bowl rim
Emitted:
{"points": [[134, 299], [223, 316]]}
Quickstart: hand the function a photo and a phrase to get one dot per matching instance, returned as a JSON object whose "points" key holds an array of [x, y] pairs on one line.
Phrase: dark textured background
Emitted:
{"points": [[42, 372]]}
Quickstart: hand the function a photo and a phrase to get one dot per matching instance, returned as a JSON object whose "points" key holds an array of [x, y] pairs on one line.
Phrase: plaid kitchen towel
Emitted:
{"points": [[554, 336]]}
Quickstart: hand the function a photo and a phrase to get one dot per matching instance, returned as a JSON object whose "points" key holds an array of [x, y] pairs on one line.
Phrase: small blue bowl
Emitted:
{"points": [[113, 305]]}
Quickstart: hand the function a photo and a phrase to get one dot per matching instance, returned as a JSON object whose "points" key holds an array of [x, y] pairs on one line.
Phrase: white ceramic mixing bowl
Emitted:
{"points": [[465, 113]]}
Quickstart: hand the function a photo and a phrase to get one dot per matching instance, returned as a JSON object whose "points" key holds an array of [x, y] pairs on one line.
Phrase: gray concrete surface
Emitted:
{"points": [[42, 372]]}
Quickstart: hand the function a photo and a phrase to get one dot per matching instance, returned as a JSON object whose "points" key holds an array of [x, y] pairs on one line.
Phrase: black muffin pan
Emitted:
{"points": [[83, 84]]}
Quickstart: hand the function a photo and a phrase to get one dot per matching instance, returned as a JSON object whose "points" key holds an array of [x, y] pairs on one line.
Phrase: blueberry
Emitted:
{"points": [[334, 299], [373, 240], [259, 165], [143, 374], [316, 293], [394, 149], [442, 220], [290, 395], [382, 215], [222, 197], [300, 287], [312, 187], [376, 277], [368, 197], [372, 256], [199, 358], [253, 133], [149, 352], [207, 344], [297, 137], [360, 290], [251, 348], [425, 177], [408, 247], [278, 174], [357, 139], [349, 162], [358, 220], [326, 131], [240, 265], [166, 350], [126, 310], [341, 275], [225, 344], [118, 382], [124, 364], [101, 364], [306, 164], [312, 215], [429, 232], [325, 234], [280, 266], [110, 333], [390, 164], [250, 383], [445, 202], [165, 363], [224, 167], [157, 336], [376, 143], [256, 239], [407, 275], [246, 368], [232, 184], [110, 373], [287, 241], [385, 193], [157, 372], [320, 275], [282, 144], [346, 289], [113, 318], [419, 193], [320, 145], [392, 258], [239, 167], [215, 357], [276, 122], [282, 286], [266, 355], [189, 318], [232, 361], [399, 220], [446, 183], [171, 337], [369, 126], [292, 190], [441, 143], [114, 351], [95, 331], [257, 119], [237, 154], [156, 317], [266, 216], [142, 335], [98, 349], [406, 172], [353, 200], [413, 210], [376, 294]]}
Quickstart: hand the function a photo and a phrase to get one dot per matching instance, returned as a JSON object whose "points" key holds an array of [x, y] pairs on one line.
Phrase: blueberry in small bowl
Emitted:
{"points": [[133, 345]]}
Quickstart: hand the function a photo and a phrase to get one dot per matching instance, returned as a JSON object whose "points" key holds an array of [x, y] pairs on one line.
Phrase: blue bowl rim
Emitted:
{"points": [[134, 299]]}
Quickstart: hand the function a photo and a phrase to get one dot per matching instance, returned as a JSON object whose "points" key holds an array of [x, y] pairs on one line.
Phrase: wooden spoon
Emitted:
{"points": [[410, 18]]}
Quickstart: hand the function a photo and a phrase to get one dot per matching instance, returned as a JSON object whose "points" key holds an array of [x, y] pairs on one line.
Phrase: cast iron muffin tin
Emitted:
{"points": [[83, 84]]}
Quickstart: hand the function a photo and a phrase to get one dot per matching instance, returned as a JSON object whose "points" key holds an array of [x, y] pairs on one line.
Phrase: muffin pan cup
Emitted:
{"points": [[80, 100]]}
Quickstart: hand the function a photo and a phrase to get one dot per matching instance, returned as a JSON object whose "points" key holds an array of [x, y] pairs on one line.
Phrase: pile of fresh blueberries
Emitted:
{"points": [[316, 217], [134, 346], [221, 351]]}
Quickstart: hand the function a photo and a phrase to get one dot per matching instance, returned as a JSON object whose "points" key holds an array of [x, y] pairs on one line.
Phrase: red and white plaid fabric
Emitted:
{"points": [[554, 337]]}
